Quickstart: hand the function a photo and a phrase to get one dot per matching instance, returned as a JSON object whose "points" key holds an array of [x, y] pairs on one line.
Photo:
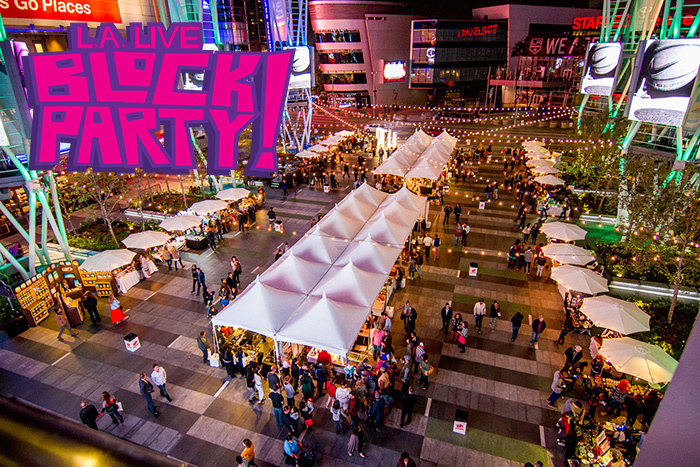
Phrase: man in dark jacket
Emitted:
{"points": [[517, 321], [90, 304], [146, 388], [203, 345], [408, 402], [88, 415], [201, 279], [446, 315], [538, 327], [195, 279]]}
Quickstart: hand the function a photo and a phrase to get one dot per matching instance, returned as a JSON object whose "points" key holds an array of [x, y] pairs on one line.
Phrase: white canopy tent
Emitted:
{"points": [[545, 170], [260, 308], [334, 325], [330, 141], [350, 284], [370, 256], [533, 143], [318, 148], [307, 154], [425, 169], [335, 224], [549, 180], [318, 248], [294, 274], [355, 209], [539, 163], [344, 133], [369, 195]]}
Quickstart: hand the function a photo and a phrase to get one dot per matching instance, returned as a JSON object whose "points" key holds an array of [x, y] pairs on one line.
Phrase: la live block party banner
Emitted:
{"points": [[108, 96]]}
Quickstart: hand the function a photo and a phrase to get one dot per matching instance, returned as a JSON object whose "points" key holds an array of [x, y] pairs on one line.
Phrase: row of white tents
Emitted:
{"points": [[322, 146], [320, 292], [420, 156]]}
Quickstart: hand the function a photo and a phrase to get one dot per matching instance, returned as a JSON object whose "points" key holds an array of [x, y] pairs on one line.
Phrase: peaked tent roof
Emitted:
{"points": [[335, 224], [370, 256], [294, 274], [382, 230], [334, 324], [354, 208], [267, 309], [349, 284], [319, 249], [369, 195]]}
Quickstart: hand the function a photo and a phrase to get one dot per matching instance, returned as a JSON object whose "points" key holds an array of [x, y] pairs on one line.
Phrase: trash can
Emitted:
{"points": [[482, 204], [306, 459], [460, 423], [279, 226], [132, 343], [473, 269]]}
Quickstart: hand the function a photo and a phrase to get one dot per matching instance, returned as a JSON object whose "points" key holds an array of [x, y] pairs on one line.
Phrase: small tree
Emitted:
{"points": [[104, 189]]}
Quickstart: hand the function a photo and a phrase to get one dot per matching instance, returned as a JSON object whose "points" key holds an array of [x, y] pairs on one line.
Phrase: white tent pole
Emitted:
{"points": [[213, 335]]}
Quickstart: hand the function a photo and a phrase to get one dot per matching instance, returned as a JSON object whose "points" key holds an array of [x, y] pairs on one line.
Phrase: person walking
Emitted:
{"points": [[419, 265], [446, 316], [111, 406], [259, 388], [455, 323], [115, 310], [356, 442], [201, 280], [526, 232], [146, 388], [211, 239], [494, 313], [527, 257], [408, 402], [248, 452], [376, 412], [90, 304], [541, 261], [405, 374], [159, 378], [338, 416], [458, 233], [465, 232], [88, 415], [436, 247], [425, 371], [291, 450], [462, 337], [427, 244], [479, 313], [167, 257], [447, 210], [538, 327], [558, 385], [62, 322], [277, 404], [271, 218], [175, 254], [457, 211], [517, 321], [195, 279], [203, 345]]}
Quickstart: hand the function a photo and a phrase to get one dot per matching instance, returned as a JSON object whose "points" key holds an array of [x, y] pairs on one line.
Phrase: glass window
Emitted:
{"points": [[339, 35], [344, 78], [354, 56]]}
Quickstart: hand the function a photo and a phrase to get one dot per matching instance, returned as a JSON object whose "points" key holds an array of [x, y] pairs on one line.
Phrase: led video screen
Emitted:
{"points": [[394, 71], [665, 74], [600, 68]]}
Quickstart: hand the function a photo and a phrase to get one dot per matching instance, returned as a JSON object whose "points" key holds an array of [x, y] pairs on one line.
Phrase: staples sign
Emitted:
{"points": [[83, 10], [109, 96]]}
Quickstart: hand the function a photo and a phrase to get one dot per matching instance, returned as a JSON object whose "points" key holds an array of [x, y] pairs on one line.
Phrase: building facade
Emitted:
{"points": [[363, 51]]}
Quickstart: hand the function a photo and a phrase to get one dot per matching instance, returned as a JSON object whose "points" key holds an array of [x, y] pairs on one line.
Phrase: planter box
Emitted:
{"points": [[15, 327]]}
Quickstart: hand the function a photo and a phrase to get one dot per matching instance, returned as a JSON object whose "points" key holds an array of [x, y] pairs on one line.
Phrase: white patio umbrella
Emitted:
{"points": [[568, 254], [545, 170], [563, 231], [646, 361], [580, 279], [107, 260], [146, 239], [532, 143], [539, 163], [307, 154], [318, 148], [180, 223], [208, 206], [549, 180], [233, 194], [615, 314]]}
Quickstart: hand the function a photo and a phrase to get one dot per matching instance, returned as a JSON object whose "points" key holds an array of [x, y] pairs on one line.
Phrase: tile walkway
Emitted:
{"points": [[501, 384]]}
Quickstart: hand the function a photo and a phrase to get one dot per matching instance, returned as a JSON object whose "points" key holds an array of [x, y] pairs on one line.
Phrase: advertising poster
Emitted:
{"points": [[664, 77], [302, 76], [600, 69]]}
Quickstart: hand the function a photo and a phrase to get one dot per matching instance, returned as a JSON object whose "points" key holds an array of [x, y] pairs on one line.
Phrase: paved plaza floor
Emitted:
{"points": [[501, 384]]}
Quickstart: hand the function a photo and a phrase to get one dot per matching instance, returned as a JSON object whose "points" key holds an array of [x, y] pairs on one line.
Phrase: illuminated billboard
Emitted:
{"points": [[302, 75], [665, 73], [109, 95], [602, 61], [394, 71]]}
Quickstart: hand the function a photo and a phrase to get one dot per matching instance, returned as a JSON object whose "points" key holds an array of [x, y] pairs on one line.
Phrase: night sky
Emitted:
{"points": [[461, 9]]}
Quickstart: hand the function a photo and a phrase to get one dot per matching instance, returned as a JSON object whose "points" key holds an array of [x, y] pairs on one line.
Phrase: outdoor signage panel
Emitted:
{"points": [[108, 96], [602, 61], [665, 74], [394, 71], [302, 76], [99, 11], [564, 46]]}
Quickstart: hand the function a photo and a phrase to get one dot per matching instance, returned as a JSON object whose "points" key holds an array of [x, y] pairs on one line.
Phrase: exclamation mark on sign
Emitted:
{"points": [[272, 95]]}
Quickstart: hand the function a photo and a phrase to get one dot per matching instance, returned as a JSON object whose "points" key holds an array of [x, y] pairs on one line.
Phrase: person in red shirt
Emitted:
{"points": [[324, 359]]}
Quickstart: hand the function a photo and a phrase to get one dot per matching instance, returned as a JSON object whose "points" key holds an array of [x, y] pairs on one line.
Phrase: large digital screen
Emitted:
{"points": [[302, 75], [602, 60], [394, 71], [665, 73]]}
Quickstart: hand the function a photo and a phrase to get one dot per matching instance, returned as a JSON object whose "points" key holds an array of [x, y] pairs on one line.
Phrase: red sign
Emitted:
{"points": [[478, 31], [595, 22], [98, 11]]}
